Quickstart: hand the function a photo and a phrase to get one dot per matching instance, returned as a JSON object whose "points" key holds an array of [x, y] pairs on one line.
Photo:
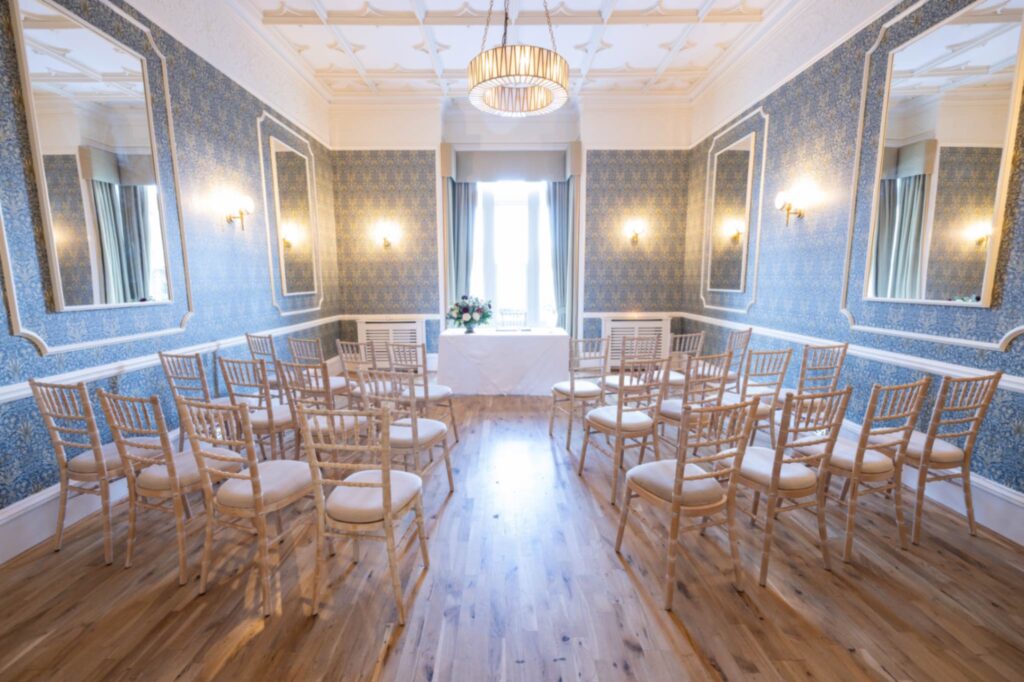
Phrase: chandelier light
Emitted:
{"points": [[518, 80]]}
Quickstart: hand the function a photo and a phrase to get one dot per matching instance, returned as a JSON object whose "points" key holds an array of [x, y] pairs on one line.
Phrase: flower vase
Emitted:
{"points": [[470, 327]]}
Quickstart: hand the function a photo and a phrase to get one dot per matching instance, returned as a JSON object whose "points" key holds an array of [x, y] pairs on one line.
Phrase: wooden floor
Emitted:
{"points": [[524, 584]]}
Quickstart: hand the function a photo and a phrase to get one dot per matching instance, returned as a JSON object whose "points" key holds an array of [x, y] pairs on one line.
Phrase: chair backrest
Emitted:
{"points": [[247, 381], [706, 379], [588, 359], [70, 421], [307, 384], [809, 427], [736, 343], [186, 376], [213, 428], [511, 318], [715, 439], [408, 357], [132, 418], [890, 419], [764, 374], [686, 345], [821, 367], [960, 409], [355, 355], [261, 347], [639, 348], [392, 390], [641, 386], [335, 453], [306, 350]]}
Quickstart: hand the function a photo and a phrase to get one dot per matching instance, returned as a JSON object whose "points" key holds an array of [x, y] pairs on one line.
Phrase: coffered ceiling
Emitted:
{"points": [[355, 49]]}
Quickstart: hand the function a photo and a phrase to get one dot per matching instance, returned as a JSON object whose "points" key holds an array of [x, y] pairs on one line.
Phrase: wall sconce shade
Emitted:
{"points": [[635, 228]]}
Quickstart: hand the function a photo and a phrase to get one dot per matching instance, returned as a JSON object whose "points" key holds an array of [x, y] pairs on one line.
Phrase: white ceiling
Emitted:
{"points": [[355, 49]]}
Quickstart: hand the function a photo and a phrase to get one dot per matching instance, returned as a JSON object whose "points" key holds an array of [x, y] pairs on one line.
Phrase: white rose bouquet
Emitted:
{"points": [[468, 312]]}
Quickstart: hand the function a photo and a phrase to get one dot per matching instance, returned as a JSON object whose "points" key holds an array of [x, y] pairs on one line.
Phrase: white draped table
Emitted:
{"points": [[493, 362]]}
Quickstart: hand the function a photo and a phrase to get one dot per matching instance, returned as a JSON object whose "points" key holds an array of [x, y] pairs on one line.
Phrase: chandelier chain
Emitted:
{"points": [[504, 33], [551, 30], [487, 25]]}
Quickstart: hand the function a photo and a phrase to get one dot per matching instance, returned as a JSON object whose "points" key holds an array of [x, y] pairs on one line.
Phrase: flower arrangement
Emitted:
{"points": [[468, 312]]}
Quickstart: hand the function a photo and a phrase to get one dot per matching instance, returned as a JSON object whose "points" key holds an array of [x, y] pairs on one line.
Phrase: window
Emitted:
{"points": [[512, 259]]}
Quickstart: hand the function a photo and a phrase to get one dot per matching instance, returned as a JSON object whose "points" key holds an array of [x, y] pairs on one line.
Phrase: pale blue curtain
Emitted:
{"points": [[885, 232], [905, 267], [108, 220], [462, 203], [560, 205], [135, 204]]}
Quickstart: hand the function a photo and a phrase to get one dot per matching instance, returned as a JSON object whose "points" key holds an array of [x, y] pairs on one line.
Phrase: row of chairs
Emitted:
{"points": [[706, 409], [222, 447]]}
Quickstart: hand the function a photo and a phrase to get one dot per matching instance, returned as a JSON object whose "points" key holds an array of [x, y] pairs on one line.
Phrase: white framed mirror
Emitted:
{"points": [[732, 179], [294, 218], [89, 114], [948, 124]]}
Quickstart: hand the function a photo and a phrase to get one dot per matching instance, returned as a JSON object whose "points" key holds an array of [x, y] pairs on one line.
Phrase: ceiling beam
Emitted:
{"points": [[430, 44], [678, 44], [342, 42], [466, 16]]}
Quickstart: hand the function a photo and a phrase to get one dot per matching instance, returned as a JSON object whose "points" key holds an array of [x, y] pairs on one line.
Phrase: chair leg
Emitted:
{"points": [[396, 585], [421, 533], [769, 532], [617, 466], [622, 520], [448, 465], [179, 529], [851, 518], [204, 565], [670, 566], [753, 507], [108, 533], [922, 481], [62, 508], [551, 417], [845, 491], [643, 449], [897, 500], [318, 564], [822, 525], [451, 415], [734, 547], [583, 452], [968, 502], [771, 428], [263, 549], [568, 428]]}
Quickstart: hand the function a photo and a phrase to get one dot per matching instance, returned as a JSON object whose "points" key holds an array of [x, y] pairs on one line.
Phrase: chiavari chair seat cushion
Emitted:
{"points": [[428, 431], [612, 381], [85, 463], [349, 504], [282, 414], [672, 408], [764, 410], [279, 480], [943, 451], [338, 384], [584, 389], [676, 378], [346, 422], [658, 478], [632, 420], [437, 391], [845, 453], [157, 478], [758, 463]]}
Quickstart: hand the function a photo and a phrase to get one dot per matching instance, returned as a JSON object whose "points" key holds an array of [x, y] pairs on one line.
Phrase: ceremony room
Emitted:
{"points": [[517, 340]]}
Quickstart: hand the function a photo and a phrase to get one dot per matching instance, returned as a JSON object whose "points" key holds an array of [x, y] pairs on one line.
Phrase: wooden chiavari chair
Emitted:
{"points": [[878, 453], [261, 347], [186, 377], [763, 377], [689, 484], [251, 494], [358, 494], [588, 364], [71, 423], [684, 346], [820, 368], [794, 469], [704, 387], [736, 343], [249, 384], [629, 348], [355, 356], [310, 352], [412, 358], [632, 421], [158, 479], [412, 435], [959, 412]]}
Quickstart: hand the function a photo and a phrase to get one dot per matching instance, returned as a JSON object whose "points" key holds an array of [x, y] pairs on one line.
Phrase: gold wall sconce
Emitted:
{"points": [[734, 229], [980, 232], [388, 233], [786, 203], [242, 206], [634, 229]]}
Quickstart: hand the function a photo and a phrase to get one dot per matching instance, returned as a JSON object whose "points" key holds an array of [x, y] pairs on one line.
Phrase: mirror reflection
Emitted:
{"points": [[730, 215], [91, 115], [946, 127], [294, 219]]}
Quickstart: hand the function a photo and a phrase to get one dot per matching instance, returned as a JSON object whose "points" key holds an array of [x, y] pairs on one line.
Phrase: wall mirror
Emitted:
{"points": [[88, 105], [949, 121], [731, 187], [296, 232]]}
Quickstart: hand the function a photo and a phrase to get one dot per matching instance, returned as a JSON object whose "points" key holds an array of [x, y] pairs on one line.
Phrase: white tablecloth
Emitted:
{"points": [[492, 362]]}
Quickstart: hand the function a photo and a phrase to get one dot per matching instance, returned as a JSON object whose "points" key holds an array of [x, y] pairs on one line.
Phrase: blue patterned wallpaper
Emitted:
{"points": [[623, 185], [215, 124], [67, 211], [965, 194], [814, 121], [398, 186]]}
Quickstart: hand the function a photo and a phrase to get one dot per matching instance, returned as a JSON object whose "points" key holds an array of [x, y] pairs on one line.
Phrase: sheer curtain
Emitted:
{"points": [[462, 202], [905, 267], [107, 200], [885, 232], [136, 241], [560, 205]]}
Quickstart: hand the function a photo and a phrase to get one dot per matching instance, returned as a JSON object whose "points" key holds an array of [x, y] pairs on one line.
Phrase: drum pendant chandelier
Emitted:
{"points": [[518, 80]]}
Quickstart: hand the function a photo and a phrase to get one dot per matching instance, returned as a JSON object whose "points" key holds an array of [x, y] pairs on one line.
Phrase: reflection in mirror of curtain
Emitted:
{"points": [[296, 239], [730, 216], [947, 122], [90, 116]]}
